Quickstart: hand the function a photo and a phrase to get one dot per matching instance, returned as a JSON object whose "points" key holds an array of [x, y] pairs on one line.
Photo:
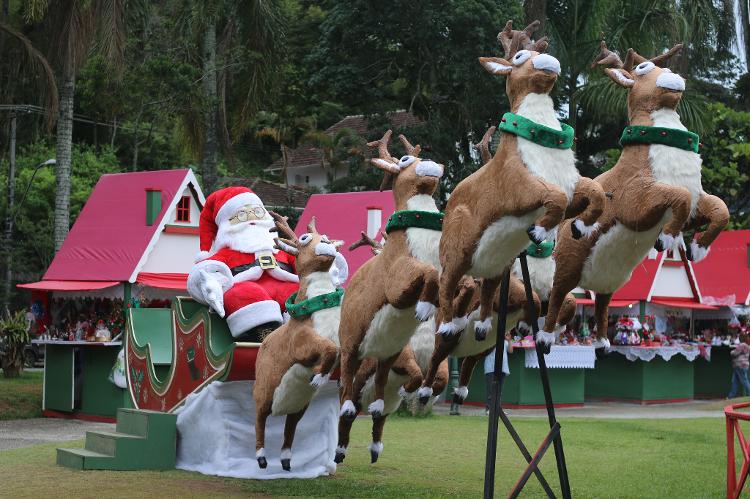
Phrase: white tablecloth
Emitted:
{"points": [[647, 354], [564, 357]]}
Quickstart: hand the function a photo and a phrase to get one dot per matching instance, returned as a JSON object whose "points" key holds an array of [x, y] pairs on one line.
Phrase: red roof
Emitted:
{"points": [[639, 285], [69, 285], [682, 303], [344, 216], [726, 269], [165, 280], [110, 235]]}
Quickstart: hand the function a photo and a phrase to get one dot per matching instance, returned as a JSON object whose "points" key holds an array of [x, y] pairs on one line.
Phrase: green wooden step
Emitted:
{"points": [[81, 459], [142, 440]]}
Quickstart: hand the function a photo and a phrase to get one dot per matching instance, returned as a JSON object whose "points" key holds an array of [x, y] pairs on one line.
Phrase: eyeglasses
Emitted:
{"points": [[245, 213]]}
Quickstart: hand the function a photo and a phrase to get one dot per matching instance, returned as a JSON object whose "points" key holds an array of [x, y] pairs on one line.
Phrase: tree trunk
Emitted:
{"points": [[210, 144], [136, 143], [64, 147], [114, 132], [12, 363], [8, 239], [745, 23], [6, 9], [535, 10]]}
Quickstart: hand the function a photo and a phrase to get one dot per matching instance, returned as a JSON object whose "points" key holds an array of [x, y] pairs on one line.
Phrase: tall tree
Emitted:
{"points": [[71, 28]]}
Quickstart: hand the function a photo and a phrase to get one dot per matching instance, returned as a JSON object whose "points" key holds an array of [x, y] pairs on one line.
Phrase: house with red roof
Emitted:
{"points": [[344, 216], [725, 273], [662, 284], [137, 227], [307, 164]]}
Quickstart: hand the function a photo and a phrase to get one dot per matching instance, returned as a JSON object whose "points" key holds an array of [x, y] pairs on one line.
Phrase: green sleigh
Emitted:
{"points": [[171, 353]]}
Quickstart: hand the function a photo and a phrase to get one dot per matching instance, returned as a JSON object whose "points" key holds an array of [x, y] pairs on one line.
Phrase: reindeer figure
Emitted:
{"points": [[404, 378], [298, 357], [655, 187], [523, 192], [472, 347], [395, 290], [541, 261]]}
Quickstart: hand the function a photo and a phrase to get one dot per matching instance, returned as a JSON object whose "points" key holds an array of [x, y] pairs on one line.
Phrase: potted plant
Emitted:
{"points": [[14, 333]]}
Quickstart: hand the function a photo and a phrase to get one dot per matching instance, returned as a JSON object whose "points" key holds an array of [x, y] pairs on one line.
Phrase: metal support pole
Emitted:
{"points": [[8, 236], [562, 469], [453, 384], [502, 316]]}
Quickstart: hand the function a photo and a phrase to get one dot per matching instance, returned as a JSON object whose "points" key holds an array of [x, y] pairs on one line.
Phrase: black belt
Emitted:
{"points": [[241, 268]]}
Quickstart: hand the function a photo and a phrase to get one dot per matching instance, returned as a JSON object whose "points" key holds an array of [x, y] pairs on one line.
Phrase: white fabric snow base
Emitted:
{"points": [[216, 434]]}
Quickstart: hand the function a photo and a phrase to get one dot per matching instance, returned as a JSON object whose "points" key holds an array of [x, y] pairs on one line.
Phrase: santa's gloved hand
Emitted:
{"points": [[214, 295]]}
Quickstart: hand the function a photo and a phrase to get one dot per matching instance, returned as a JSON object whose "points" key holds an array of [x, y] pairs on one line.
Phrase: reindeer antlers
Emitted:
{"points": [[606, 57], [366, 240], [661, 60], [513, 40], [382, 146], [289, 242], [484, 145], [410, 149]]}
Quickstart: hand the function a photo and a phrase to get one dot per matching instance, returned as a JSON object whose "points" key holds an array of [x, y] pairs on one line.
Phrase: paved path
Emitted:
{"points": [[612, 410], [27, 432]]}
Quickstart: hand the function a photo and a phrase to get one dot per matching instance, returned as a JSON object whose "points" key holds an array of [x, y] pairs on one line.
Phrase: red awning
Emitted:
{"points": [[588, 302], [69, 285], [677, 303], [163, 280]]}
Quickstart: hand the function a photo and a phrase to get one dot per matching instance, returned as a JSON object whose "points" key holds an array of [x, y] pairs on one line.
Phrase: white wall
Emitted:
{"points": [[313, 176], [172, 253], [672, 282]]}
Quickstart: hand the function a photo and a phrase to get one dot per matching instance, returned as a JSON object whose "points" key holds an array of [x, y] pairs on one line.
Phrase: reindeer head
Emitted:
{"points": [[410, 175], [528, 69], [314, 251], [651, 85]]}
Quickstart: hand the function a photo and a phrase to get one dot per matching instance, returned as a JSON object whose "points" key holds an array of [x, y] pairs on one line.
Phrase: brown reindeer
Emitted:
{"points": [[541, 262], [395, 290], [298, 357], [405, 376], [655, 187], [473, 347], [524, 192]]}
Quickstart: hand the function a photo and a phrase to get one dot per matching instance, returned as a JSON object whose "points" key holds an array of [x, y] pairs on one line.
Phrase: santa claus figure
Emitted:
{"points": [[240, 274]]}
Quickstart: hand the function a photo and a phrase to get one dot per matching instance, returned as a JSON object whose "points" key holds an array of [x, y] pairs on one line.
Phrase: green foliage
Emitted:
{"points": [[726, 160], [14, 334]]}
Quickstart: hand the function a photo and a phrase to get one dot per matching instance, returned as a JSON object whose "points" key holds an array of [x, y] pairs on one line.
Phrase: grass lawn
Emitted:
{"points": [[439, 456], [21, 398]]}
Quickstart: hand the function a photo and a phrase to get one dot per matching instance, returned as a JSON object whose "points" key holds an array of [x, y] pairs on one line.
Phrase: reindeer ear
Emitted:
{"points": [[620, 76], [384, 165], [496, 65]]}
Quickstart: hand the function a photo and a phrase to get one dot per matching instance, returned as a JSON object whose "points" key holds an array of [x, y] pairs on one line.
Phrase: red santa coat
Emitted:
{"points": [[254, 295]]}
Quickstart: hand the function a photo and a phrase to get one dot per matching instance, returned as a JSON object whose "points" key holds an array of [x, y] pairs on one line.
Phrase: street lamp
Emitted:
{"points": [[51, 161]]}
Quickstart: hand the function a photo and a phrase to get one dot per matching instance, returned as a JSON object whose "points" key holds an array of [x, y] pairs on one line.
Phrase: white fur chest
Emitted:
{"points": [[388, 333], [424, 244], [326, 321], [541, 273], [500, 243], [556, 166], [672, 165], [423, 343]]}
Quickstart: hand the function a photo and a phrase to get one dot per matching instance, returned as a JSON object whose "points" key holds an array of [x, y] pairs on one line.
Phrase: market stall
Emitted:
{"points": [[523, 389], [131, 247]]}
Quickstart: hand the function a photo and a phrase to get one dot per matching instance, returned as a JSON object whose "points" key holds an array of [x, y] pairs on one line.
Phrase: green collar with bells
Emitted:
{"points": [[536, 132], [406, 219], [681, 139], [541, 250], [311, 305]]}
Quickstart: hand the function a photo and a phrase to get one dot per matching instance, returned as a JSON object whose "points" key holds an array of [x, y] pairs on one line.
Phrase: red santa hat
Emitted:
{"points": [[220, 206]]}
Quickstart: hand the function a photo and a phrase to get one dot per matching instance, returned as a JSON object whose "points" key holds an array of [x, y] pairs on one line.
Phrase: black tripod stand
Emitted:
{"points": [[553, 437]]}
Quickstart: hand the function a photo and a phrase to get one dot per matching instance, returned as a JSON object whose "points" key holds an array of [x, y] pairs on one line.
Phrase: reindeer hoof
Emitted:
{"points": [[286, 464], [424, 393], [374, 457], [339, 457], [375, 449], [659, 245], [480, 334], [600, 352], [457, 399], [262, 463]]}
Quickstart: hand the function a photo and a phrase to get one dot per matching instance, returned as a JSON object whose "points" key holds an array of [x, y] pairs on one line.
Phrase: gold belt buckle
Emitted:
{"points": [[267, 261]]}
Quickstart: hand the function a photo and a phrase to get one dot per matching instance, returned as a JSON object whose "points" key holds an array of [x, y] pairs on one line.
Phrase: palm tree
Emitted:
{"points": [[239, 40], [72, 27]]}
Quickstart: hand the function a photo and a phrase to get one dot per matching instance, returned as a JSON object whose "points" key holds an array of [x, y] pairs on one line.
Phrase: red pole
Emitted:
{"points": [[731, 484]]}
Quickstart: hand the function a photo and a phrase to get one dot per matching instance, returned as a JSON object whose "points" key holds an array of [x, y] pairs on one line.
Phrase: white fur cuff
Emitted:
{"points": [[545, 337], [541, 234], [462, 392], [586, 230], [424, 391], [376, 447], [260, 452], [601, 343], [286, 453], [348, 408], [376, 406], [484, 326], [424, 310], [698, 252], [319, 380]]}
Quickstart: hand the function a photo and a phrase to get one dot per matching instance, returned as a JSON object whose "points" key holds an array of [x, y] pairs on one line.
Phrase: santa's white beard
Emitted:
{"points": [[246, 237]]}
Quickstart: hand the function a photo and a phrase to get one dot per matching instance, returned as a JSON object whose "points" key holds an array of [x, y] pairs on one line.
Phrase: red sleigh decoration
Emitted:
{"points": [[734, 416]]}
